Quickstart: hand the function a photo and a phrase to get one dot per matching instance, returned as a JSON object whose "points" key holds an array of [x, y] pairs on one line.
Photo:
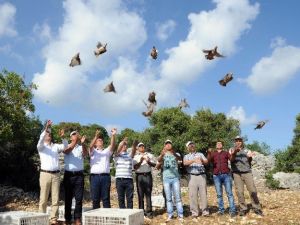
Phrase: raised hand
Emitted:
{"points": [[82, 140], [113, 131], [97, 133], [61, 132]]}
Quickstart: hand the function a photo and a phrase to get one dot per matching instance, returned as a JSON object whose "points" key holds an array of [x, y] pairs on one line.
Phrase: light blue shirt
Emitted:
{"points": [[195, 168], [74, 159]]}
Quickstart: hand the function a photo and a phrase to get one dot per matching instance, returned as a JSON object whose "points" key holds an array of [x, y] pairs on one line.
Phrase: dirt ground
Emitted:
{"points": [[279, 207]]}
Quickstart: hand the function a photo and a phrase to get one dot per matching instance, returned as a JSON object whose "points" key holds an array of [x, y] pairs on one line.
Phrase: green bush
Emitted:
{"points": [[270, 181]]}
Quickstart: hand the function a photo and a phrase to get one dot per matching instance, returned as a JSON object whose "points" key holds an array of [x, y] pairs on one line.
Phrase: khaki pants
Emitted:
{"points": [[49, 183], [241, 179], [198, 188]]}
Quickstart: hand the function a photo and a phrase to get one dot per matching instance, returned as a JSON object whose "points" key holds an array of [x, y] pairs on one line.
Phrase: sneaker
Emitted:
{"points": [[205, 213], [243, 213], [169, 219], [233, 214], [258, 212]]}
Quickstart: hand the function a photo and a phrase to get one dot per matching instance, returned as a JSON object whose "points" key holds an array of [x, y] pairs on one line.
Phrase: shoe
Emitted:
{"points": [[258, 212], [205, 213], [169, 219], [233, 214], [220, 213], [243, 213]]}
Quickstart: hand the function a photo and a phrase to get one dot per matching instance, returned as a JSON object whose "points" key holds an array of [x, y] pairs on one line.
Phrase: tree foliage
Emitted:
{"points": [[262, 147], [19, 132]]}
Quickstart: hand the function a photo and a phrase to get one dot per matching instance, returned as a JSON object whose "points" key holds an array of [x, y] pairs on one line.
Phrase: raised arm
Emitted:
{"points": [[64, 145], [70, 147], [121, 144], [84, 148], [134, 147], [113, 139], [161, 156], [40, 144], [92, 144]]}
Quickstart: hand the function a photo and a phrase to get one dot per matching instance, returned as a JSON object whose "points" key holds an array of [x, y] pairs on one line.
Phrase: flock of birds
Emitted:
{"points": [[209, 55]]}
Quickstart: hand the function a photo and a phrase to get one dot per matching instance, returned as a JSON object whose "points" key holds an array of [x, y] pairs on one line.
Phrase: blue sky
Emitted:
{"points": [[260, 40]]}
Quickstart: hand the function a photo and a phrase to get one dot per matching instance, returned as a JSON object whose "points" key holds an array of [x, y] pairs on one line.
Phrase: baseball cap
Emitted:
{"points": [[73, 132], [238, 138], [168, 141], [140, 144], [188, 143]]}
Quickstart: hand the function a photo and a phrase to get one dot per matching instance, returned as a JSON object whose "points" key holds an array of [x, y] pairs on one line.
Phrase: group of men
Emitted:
{"points": [[142, 162]]}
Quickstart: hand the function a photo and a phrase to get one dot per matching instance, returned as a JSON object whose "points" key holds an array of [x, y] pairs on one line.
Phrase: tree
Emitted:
{"points": [[19, 132], [262, 147]]}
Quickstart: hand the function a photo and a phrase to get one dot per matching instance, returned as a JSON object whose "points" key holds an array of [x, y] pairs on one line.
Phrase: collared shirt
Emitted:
{"points": [[123, 165], [100, 160], [49, 154], [220, 162], [170, 166], [195, 168], [74, 159], [145, 167]]}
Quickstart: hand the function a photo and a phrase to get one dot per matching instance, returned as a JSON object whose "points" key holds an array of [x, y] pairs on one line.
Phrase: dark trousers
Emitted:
{"points": [[100, 190], [74, 186], [144, 185], [125, 188]]}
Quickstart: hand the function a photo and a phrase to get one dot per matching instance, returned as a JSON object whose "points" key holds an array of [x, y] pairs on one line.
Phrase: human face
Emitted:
{"points": [[141, 149], [99, 143], [168, 146], [191, 147], [238, 143], [219, 145], [74, 137]]}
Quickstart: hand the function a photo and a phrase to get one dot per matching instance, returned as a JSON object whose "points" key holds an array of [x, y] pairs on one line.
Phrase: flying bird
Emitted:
{"points": [[228, 77], [183, 104], [150, 109], [154, 53], [212, 53], [260, 124], [75, 60], [100, 49], [110, 88], [151, 97]]}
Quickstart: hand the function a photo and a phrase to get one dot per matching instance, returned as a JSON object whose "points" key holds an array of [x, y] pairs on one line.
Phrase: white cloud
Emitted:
{"points": [[275, 71], [7, 20], [42, 31], [125, 33], [7, 50], [238, 113], [164, 30], [222, 27], [277, 42]]}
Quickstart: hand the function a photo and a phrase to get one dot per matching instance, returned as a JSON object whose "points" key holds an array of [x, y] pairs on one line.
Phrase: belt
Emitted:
{"points": [[123, 178], [100, 174], [49, 171], [144, 174], [221, 173], [197, 174], [74, 173]]}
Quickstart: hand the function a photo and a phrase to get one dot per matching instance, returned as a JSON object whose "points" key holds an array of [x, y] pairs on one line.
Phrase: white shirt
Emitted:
{"points": [[74, 159], [100, 160], [49, 154], [145, 167]]}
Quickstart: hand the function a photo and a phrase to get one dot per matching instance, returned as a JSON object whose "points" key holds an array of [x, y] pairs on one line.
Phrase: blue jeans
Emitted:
{"points": [[100, 190], [227, 181], [172, 185]]}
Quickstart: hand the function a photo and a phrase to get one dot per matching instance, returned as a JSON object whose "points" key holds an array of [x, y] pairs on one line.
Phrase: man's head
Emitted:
{"points": [[141, 147], [74, 135], [190, 146], [99, 143], [168, 144], [238, 142], [219, 144]]}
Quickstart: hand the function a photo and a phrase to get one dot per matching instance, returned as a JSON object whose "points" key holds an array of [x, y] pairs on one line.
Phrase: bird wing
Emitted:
{"points": [[99, 45]]}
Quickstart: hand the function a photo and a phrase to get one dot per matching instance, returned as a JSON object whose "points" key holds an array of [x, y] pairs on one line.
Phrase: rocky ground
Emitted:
{"points": [[279, 207]]}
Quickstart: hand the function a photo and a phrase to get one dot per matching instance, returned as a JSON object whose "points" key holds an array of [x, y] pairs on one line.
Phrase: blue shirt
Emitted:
{"points": [[74, 159], [195, 168]]}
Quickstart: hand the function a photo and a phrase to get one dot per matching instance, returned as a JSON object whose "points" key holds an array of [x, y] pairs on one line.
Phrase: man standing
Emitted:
{"points": [[222, 176], [124, 182], [143, 161], [242, 175], [171, 179], [100, 169], [73, 177], [194, 162], [49, 172]]}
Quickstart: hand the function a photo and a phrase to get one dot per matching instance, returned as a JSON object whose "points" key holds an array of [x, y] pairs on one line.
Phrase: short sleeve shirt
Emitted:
{"points": [[195, 168]]}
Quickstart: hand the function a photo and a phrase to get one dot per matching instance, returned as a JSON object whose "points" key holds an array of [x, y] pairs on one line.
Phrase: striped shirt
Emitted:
{"points": [[195, 168], [124, 165]]}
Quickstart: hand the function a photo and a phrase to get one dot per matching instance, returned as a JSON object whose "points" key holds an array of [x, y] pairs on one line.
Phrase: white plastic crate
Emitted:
{"points": [[61, 211], [23, 218], [111, 216], [158, 201]]}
